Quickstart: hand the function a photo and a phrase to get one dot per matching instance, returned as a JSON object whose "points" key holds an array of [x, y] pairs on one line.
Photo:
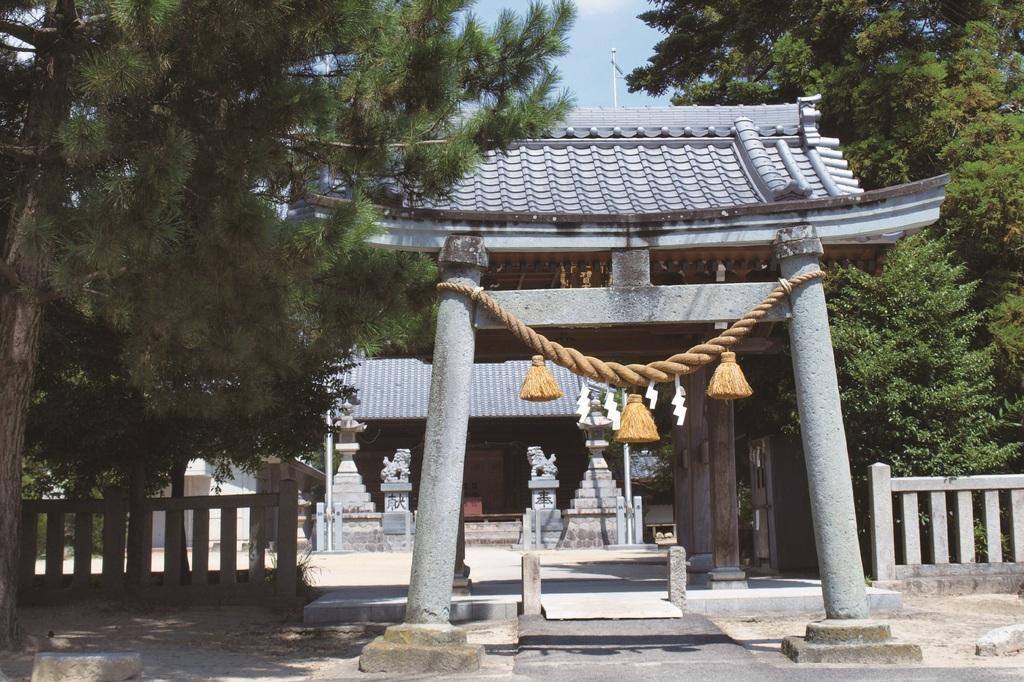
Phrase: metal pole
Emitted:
{"points": [[615, 81], [627, 483], [329, 489]]}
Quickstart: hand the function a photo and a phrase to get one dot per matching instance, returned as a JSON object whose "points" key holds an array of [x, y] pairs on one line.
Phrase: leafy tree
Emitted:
{"points": [[913, 88], [148, 147], [916, 394]]}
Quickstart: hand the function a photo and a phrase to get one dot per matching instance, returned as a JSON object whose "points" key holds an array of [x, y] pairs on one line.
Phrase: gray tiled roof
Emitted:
{"points": [[399, 388], [651, 160]]}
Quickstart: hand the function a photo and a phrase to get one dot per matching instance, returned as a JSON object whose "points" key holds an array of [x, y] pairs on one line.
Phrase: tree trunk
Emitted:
{"points": [[21, 317], [38, 194]]}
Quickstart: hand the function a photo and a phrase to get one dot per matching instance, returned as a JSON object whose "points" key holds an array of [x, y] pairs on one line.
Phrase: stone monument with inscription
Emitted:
{"points": [[397, 519], [542, 522]]}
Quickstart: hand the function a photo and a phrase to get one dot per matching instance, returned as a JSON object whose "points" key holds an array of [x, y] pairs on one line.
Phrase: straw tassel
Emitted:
{"points": [[636, 424], [540, 385], [728, 381]]}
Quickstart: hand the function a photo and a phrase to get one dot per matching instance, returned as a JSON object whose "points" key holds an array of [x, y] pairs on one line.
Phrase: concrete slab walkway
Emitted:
{"points": [[576, 584]]}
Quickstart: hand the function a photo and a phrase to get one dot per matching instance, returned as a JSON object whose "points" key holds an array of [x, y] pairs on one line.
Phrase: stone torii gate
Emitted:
{"points": [[763, 178]]}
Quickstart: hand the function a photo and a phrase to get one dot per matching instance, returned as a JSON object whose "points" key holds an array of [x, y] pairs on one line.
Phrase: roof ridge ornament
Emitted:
{"points": [[773, 183]]}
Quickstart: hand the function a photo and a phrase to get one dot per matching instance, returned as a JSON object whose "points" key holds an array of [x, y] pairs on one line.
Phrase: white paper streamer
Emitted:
{"points": [[583, 402], [652, 394], [612, 408], [679, 401]]}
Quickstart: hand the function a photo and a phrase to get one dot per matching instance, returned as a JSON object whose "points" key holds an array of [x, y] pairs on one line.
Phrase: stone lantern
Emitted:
{"points": [[591, 518]]}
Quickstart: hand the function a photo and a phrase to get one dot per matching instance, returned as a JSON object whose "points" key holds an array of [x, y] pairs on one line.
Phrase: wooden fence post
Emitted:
{"points": [[287, 538], [883, 546], [27, 553], [114, 516]]}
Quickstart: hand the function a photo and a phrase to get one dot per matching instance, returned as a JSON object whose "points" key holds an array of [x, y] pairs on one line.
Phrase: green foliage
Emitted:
{"points": [[197, 319], [916, 394], [913, 89]]}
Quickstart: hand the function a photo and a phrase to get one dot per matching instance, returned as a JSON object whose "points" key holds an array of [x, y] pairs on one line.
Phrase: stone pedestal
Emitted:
{"points": [[544, 515], [727, 578], [411, 649], [850, 641], [397, 520]]}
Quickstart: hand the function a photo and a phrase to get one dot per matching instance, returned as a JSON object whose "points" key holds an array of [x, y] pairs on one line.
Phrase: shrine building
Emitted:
{"points": [[609, 217]]}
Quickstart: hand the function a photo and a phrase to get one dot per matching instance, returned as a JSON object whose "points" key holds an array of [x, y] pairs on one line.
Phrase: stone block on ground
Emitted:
{"points": [[87, 667], [677, 576], [1002, 641], [410, 649], [857, 641]]}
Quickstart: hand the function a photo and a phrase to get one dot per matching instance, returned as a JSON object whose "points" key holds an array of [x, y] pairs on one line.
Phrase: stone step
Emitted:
{"points": [[608, 492], [342, 488], [593, 503], [351, 498]]}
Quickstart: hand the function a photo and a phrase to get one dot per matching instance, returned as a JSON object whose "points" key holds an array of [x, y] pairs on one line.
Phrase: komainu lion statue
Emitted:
{"points": [[541, 466], [397, 470]]}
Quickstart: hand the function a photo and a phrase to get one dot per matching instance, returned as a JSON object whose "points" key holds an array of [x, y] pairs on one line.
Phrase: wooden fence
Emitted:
{"points": [[947, 525], [225, 583]]}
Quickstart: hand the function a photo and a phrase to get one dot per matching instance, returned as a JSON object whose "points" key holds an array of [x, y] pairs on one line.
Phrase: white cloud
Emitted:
{"points": [[601, 6]]}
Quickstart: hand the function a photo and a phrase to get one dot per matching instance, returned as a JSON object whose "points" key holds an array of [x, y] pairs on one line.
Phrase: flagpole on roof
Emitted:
{"points": [[615, 81]]}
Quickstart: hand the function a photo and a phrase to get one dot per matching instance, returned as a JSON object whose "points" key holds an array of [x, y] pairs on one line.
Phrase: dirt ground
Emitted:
{"points": [[229, 644], [946, 627], [210, 643]]}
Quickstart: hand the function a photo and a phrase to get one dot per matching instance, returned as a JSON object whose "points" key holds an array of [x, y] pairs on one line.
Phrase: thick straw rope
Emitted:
{"points": [[633, 374]]}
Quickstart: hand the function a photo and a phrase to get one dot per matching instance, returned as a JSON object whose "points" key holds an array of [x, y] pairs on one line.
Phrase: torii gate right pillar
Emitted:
{"points": [[821, 426], [846, 635]]}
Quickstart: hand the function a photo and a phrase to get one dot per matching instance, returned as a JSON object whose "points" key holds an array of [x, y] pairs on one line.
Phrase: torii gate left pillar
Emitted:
{"points": [[427, 641]]}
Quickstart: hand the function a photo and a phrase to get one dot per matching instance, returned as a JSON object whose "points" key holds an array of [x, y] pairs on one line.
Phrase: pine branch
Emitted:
{"points": [[15, 48], [23, 152], [28, 34]]}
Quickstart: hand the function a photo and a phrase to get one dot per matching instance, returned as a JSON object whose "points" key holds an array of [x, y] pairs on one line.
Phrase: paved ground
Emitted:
{"points": [[691, 648], [577, 583]]}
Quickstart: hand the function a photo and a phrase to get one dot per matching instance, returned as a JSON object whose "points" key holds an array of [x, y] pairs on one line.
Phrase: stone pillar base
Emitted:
{"points": [[727, 578], [850, 641], [412, 648]]}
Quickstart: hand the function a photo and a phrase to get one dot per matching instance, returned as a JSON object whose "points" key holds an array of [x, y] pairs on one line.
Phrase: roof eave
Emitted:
{"points": [[859, 217]]}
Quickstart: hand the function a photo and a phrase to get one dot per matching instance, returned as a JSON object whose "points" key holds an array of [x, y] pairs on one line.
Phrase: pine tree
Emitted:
{"points": [[148, 146]]}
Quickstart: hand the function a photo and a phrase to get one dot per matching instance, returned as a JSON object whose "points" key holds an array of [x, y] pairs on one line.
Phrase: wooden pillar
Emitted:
{"points": [[693, 476], [725, 510]]}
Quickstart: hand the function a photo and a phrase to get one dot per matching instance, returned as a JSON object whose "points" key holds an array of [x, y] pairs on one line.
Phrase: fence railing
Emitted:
{"points": [[79, 517], [947, 523]]}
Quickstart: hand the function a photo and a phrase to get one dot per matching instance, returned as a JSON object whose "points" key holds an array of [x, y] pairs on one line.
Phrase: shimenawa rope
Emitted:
{"points": [[633, 374]]}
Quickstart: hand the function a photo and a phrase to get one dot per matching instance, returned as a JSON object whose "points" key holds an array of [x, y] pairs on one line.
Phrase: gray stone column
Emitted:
{"points": [[440, 491], [797, 250]]}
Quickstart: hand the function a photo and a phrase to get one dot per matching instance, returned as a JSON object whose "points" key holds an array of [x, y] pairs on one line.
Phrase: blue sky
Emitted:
{"points": [[600, 26]]}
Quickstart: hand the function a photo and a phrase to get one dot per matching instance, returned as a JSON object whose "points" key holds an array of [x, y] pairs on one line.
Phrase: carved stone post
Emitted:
{"points": [[427, 642], [845, 635]]}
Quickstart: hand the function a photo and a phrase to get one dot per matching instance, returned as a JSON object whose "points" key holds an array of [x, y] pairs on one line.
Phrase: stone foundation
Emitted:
{"points": [[363, 532], [586, 530], [850, 641], [590, 521], [411, 649]]}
